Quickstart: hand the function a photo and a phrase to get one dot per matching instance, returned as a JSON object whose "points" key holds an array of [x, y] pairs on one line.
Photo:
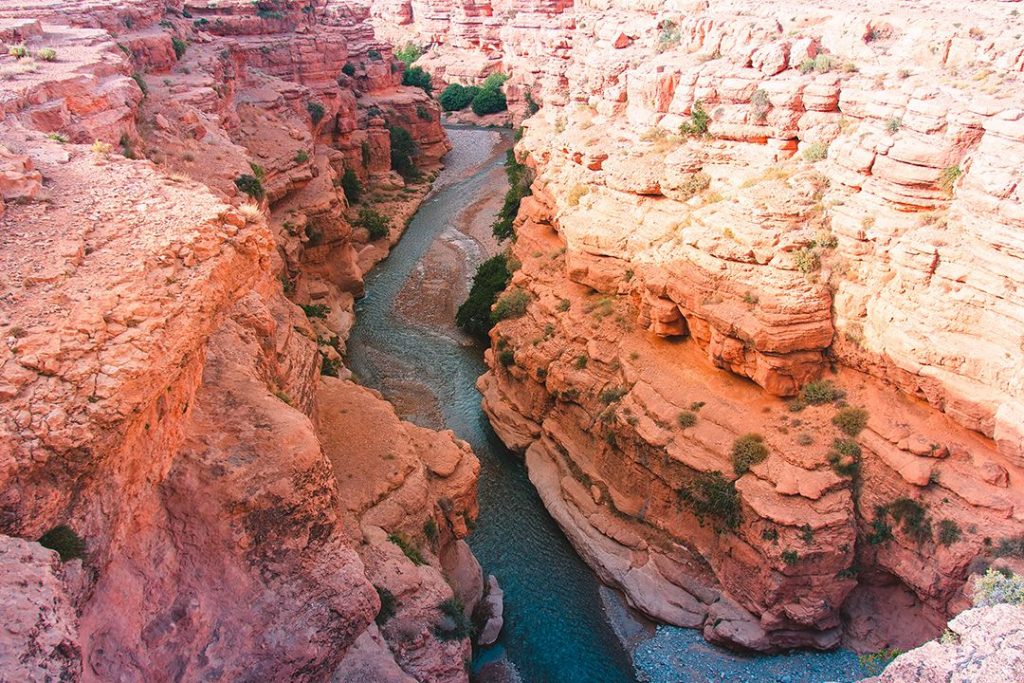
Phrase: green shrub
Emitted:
{"points": [[668, 36], [790, 557], [46, 54], [519, 181], [912, 518], [315, 310], [316, 111], [180, 46], [949, 532], [349, 69], [374, 55], [408, 54], [612, 395], [581, 362], [820, 392], [821, 64], [141, 82], [511, 304], [388, 605], [747, 451], [17, 51], [423, 113], [816, 151], [807, 534], [710, 495], [57, 137], [351, 186], [881, 531], [65, 541], [851, 421], [411, 551], [403, 148], [807, 260], [698, 124], [127, 148], [1010, 547], [377, 224], [507, 357], [330, 366], [454, 624], [488, 102], [893, 124], [532, 107], [494, 81], [456, 97], [948, 178], [250, 185], [430, 529], [474, 315], [845, 457], [874, 663], [301, 157], [686, 419], [416, 76], [200, 22], [996, 588]]}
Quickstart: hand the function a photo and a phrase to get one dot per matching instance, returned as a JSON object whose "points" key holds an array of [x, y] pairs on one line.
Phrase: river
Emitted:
{"points": [[558, 619]]}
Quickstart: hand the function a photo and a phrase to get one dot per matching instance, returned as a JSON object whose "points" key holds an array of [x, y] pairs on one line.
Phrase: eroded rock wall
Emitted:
{"points": [[732, 201], [171, 184]]}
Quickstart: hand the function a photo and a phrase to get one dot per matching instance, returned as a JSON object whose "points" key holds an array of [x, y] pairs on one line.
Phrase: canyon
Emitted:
{"points": [[172, 182], [760, 352], [787, 231]]}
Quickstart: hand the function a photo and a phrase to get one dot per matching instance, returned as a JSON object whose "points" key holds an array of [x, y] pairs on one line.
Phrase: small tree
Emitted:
{"points": [[378, 225], [351, 186], [488, 102], [416, 76]]}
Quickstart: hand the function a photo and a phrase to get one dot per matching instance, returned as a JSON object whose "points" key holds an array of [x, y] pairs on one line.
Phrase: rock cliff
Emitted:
{"points": [[173, 180], [768, 376]]}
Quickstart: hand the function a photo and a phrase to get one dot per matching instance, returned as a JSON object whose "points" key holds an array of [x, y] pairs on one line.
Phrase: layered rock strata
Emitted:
{"points": [[733, 201], [171, 184]]}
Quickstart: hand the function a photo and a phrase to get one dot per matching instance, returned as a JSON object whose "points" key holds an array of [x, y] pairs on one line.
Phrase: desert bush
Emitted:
{"points": [[454, 624], [423, 113], [62, 538], [349, 69], [250, 185], [790, 557], [873, 663], [410, 551], [474, 315], [141, 82], [686, 419], [408, 53], [17, 51], [488, 102], [948, 178], [456, 97], [388, 605], [511, 304], [374, 55], [845, 457], [494, 81], [315, 310], [351, 186], [698, 124], [316, 111], [180, 46], [46, 54], [912, 517], [710, 495], [377, 224], [816, 151], [949, 532], [612, 395], [819, 392], [668, 35], [747, 451], [996, 588], [851, 421], [301, 157], [519, 181], [416, 76], [403, 149]]}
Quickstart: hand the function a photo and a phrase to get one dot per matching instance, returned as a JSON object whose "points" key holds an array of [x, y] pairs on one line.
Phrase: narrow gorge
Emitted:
{"points": [[748, 400]]}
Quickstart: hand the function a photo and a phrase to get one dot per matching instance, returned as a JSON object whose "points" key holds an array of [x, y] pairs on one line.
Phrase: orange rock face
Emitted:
{"points": [[734, 200], [168, 181]]}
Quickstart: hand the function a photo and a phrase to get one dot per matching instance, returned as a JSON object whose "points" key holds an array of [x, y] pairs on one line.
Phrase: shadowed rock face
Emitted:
{"points": [[170, 184], [732, 200]]}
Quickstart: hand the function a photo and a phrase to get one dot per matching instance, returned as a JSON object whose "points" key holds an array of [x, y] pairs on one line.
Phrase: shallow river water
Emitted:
{"points": [[560, 625]]}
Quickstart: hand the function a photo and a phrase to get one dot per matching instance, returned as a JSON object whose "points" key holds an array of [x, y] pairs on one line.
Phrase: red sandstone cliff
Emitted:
{"points": [[851, 212], [162, 395]]}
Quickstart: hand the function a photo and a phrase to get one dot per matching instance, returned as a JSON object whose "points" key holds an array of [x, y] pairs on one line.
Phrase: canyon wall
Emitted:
{"points": [[231, 506], [736, 204]]}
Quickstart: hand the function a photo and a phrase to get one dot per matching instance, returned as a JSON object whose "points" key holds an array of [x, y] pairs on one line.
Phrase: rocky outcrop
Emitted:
{"points": [[172, 184], [732, 202], [981, 645]]}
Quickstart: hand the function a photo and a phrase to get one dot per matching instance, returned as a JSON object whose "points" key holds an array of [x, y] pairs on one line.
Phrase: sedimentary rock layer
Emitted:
{"points": [[734, 200], [171, 183]]}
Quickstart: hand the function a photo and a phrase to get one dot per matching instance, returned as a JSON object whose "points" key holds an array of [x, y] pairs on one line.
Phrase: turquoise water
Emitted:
{"points": [[555, 627]]}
